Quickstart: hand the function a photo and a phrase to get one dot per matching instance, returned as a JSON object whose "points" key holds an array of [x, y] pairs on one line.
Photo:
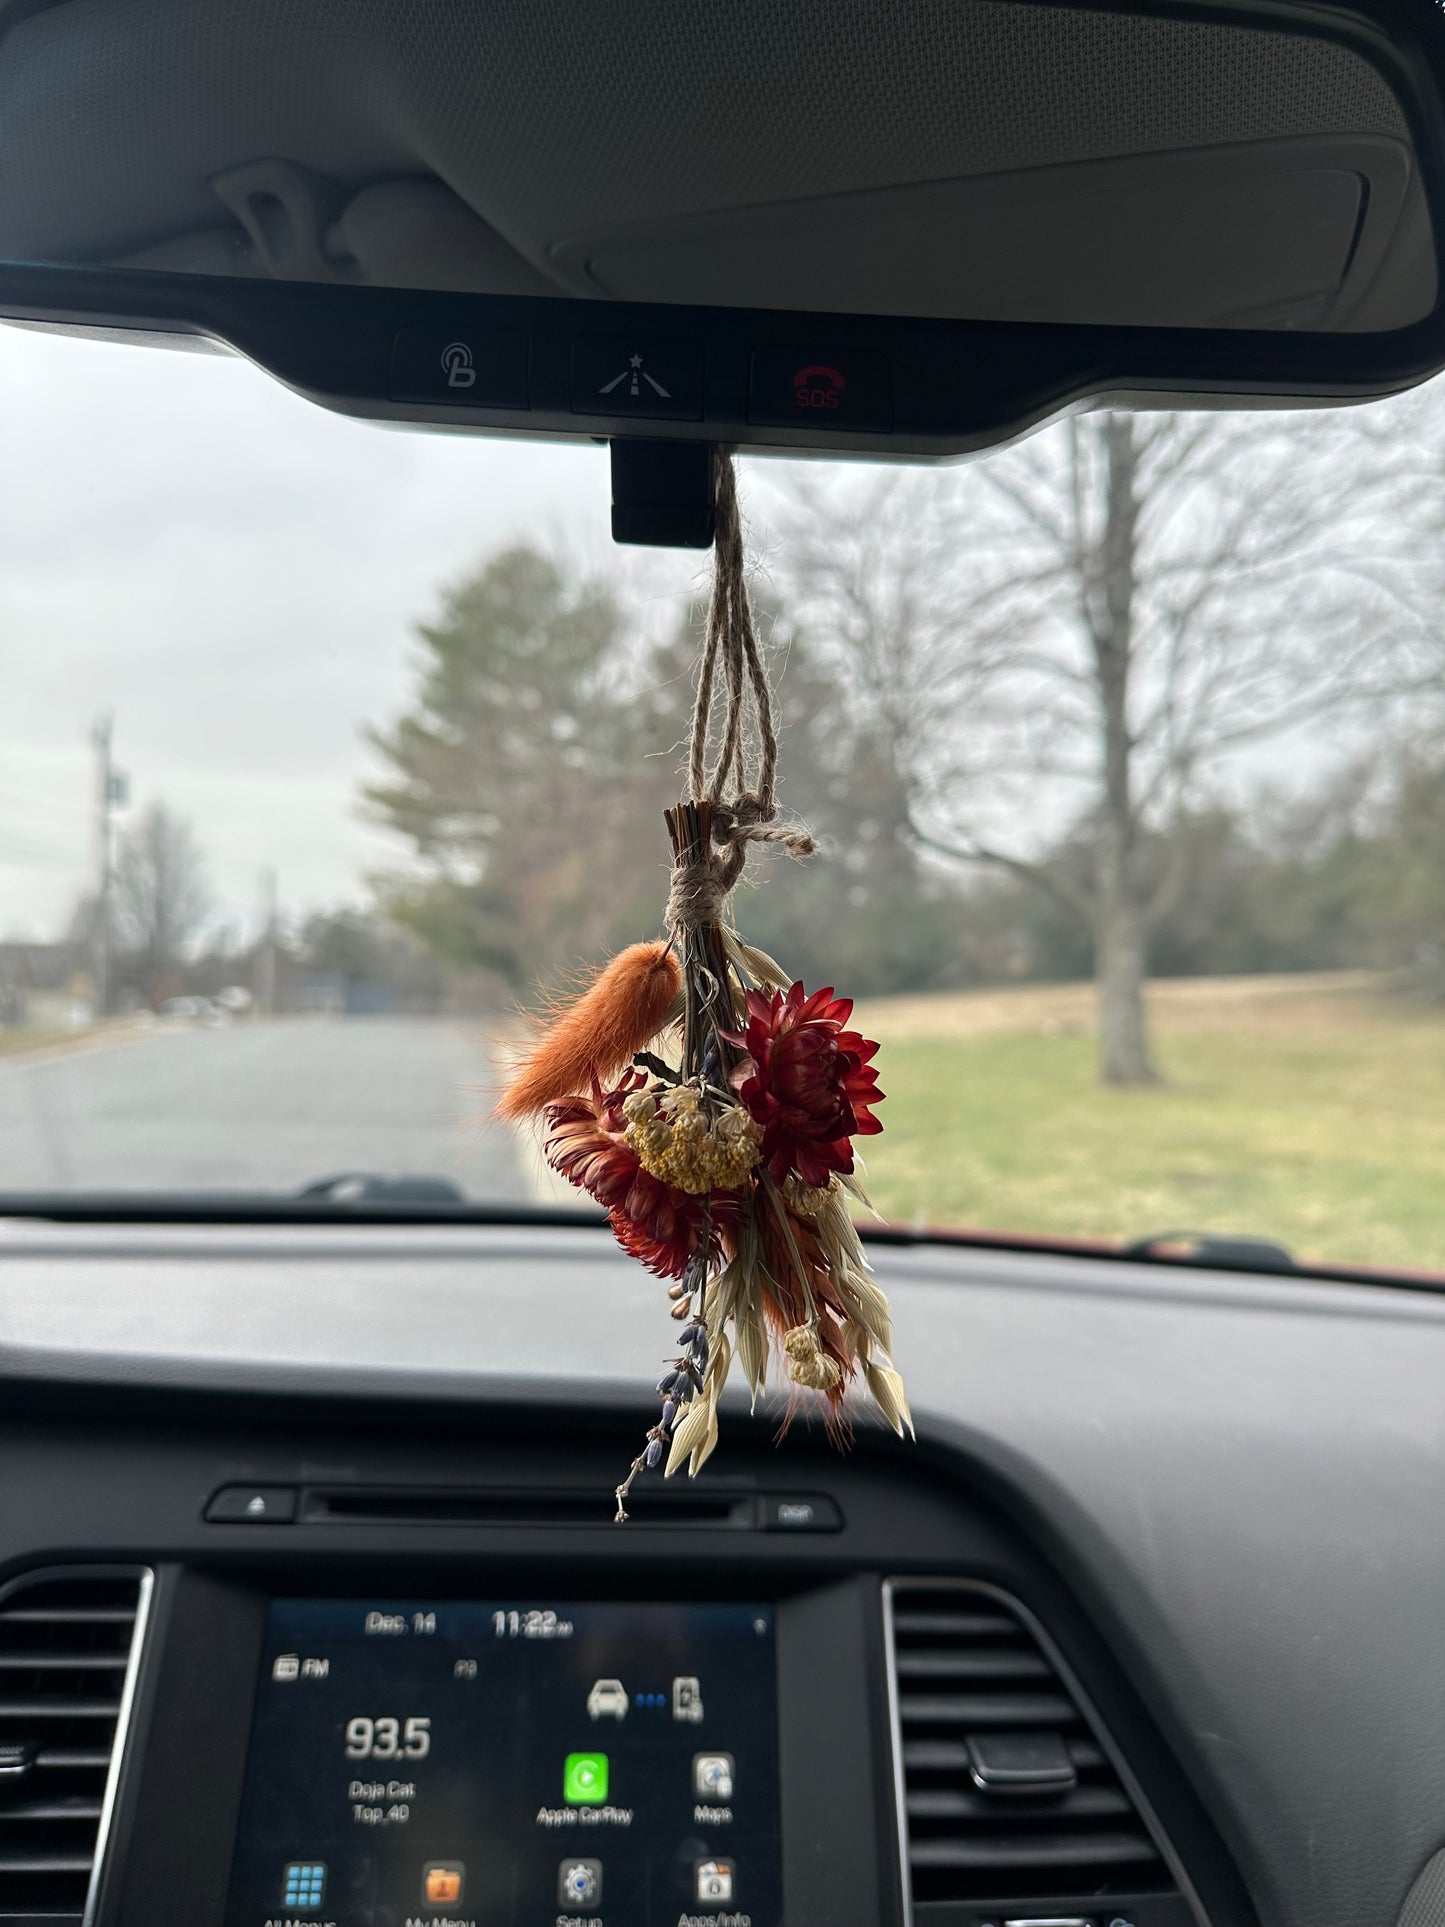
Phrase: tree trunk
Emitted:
{"points": [[1120, 969], [1120, 941]]}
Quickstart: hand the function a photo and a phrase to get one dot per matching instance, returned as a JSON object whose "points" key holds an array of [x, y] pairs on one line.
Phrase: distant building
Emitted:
{"points": [[329, 993], [45, 986]]}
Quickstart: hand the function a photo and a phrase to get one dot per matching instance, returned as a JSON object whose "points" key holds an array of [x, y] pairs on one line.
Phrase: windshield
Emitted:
{"points": [[327, 752]]}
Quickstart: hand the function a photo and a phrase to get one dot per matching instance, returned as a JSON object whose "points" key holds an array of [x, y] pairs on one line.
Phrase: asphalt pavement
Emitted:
{"points": [[257, 1105]]}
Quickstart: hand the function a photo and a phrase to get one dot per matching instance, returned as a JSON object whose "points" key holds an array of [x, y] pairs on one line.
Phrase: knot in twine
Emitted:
{"points": [[733, 807]]}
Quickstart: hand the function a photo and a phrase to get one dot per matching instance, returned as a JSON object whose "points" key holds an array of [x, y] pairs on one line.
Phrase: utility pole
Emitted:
{"points": [[266, 951], [112, 792], [100, 737]]}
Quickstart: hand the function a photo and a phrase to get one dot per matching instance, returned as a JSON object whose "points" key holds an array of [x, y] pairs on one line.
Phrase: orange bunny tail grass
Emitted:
{"points": [[588, 1042]]}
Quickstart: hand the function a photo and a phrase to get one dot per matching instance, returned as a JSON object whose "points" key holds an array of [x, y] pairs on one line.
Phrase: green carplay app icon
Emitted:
{"points": [[584, 1779]]}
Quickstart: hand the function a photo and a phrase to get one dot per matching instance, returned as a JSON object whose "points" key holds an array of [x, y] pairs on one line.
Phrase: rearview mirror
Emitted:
{"points": [[893, 230]]}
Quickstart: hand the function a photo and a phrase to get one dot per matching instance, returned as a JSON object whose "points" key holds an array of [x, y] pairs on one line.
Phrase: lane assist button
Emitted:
{"points": [[620, 375], [819, 388], [468, 368]]}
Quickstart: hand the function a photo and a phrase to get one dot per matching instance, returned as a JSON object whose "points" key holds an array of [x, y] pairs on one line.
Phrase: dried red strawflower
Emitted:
{"points": [[663, 1227], [807, 1080]]}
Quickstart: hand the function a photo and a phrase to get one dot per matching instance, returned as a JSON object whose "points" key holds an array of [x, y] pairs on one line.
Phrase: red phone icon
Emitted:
{"points": [[818, 386]]}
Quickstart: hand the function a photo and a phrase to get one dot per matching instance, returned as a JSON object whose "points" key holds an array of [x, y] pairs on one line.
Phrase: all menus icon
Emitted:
{"points": [[303, 1885]]}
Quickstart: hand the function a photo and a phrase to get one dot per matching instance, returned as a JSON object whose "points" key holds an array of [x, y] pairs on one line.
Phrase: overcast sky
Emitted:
{"points": [[233, 572]]}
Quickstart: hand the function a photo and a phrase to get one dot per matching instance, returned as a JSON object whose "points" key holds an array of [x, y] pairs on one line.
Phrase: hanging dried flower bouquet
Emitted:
{"points": [[710, 1104]]}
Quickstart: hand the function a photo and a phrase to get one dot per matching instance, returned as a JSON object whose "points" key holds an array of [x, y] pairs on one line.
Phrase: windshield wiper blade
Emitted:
{"points": [[1212, 1250], [376, 1187]]}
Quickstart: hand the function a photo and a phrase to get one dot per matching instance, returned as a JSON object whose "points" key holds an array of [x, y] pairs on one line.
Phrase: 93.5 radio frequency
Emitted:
{"points": [[407, 1737]]}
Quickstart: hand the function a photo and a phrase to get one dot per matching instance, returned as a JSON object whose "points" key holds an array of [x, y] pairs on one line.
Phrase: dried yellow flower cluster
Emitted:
{"points": [[674, 1140], [808, 1363]]}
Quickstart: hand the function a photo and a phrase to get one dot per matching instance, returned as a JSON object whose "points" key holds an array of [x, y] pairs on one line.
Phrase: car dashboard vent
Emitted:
{"points": [[1008, 1791], [69, 1645]]}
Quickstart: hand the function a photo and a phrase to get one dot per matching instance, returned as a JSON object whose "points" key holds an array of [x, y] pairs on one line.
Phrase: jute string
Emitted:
{"points": [[732, 677]]}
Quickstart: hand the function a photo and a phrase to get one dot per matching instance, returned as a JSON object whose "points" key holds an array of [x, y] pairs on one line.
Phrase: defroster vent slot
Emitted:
{"points": [[476, 1506]]}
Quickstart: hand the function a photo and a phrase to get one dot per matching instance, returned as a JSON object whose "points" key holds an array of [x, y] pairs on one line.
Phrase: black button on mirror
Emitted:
{"points": [[481, 368], [820, 388], [655, 380]]}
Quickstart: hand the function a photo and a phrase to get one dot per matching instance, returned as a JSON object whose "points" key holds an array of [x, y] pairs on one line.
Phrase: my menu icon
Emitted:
{"points": [[442, 1882]]}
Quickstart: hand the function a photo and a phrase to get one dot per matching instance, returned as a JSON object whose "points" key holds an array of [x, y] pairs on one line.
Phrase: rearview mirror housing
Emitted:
{"points": [[1302, 204]]}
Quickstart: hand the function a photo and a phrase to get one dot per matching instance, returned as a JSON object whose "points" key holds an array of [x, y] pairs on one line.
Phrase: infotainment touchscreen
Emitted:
{"points": [[511, 1763]]}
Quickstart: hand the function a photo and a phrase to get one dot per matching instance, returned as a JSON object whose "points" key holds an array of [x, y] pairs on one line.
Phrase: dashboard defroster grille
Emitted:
{"points": [[68, 1649], [1006, 1787]]}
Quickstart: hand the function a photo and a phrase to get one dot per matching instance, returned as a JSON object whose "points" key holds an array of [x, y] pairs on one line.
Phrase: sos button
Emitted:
{"points": [[820, 388]]}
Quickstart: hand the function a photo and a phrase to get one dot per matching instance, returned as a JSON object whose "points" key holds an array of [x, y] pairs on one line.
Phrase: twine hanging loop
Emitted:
{"points": [[734, 801]]}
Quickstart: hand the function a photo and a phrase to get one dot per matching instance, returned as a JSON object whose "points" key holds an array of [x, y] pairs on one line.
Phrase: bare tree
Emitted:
{"points": [[161, 894], [1079, 632]]}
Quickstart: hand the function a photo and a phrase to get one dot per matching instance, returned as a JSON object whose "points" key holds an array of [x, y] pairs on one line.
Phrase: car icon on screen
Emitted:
{"points": [[607, 1700]]}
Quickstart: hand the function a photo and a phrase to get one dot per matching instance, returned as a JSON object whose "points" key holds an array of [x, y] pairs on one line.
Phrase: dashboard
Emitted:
{"points": [[312, 1609]]}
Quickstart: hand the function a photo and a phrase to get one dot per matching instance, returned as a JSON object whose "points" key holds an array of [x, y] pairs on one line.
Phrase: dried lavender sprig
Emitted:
{"points": [[680, 1383]]}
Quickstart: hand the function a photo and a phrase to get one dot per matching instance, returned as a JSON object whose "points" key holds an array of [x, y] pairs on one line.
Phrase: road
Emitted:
{"points": [[258, 1106]]}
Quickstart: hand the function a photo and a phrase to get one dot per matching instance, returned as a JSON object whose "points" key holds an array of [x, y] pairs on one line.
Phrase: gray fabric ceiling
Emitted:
{"points": [[554, 119]]}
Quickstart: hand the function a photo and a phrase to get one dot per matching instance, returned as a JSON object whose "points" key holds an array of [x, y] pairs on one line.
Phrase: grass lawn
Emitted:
{"points": [[13, 1042], [1308, 1109]]}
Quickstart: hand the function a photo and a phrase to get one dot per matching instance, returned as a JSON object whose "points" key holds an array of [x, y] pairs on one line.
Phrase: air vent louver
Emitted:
{"points": [[65, 1656], [1005, 1788]]}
